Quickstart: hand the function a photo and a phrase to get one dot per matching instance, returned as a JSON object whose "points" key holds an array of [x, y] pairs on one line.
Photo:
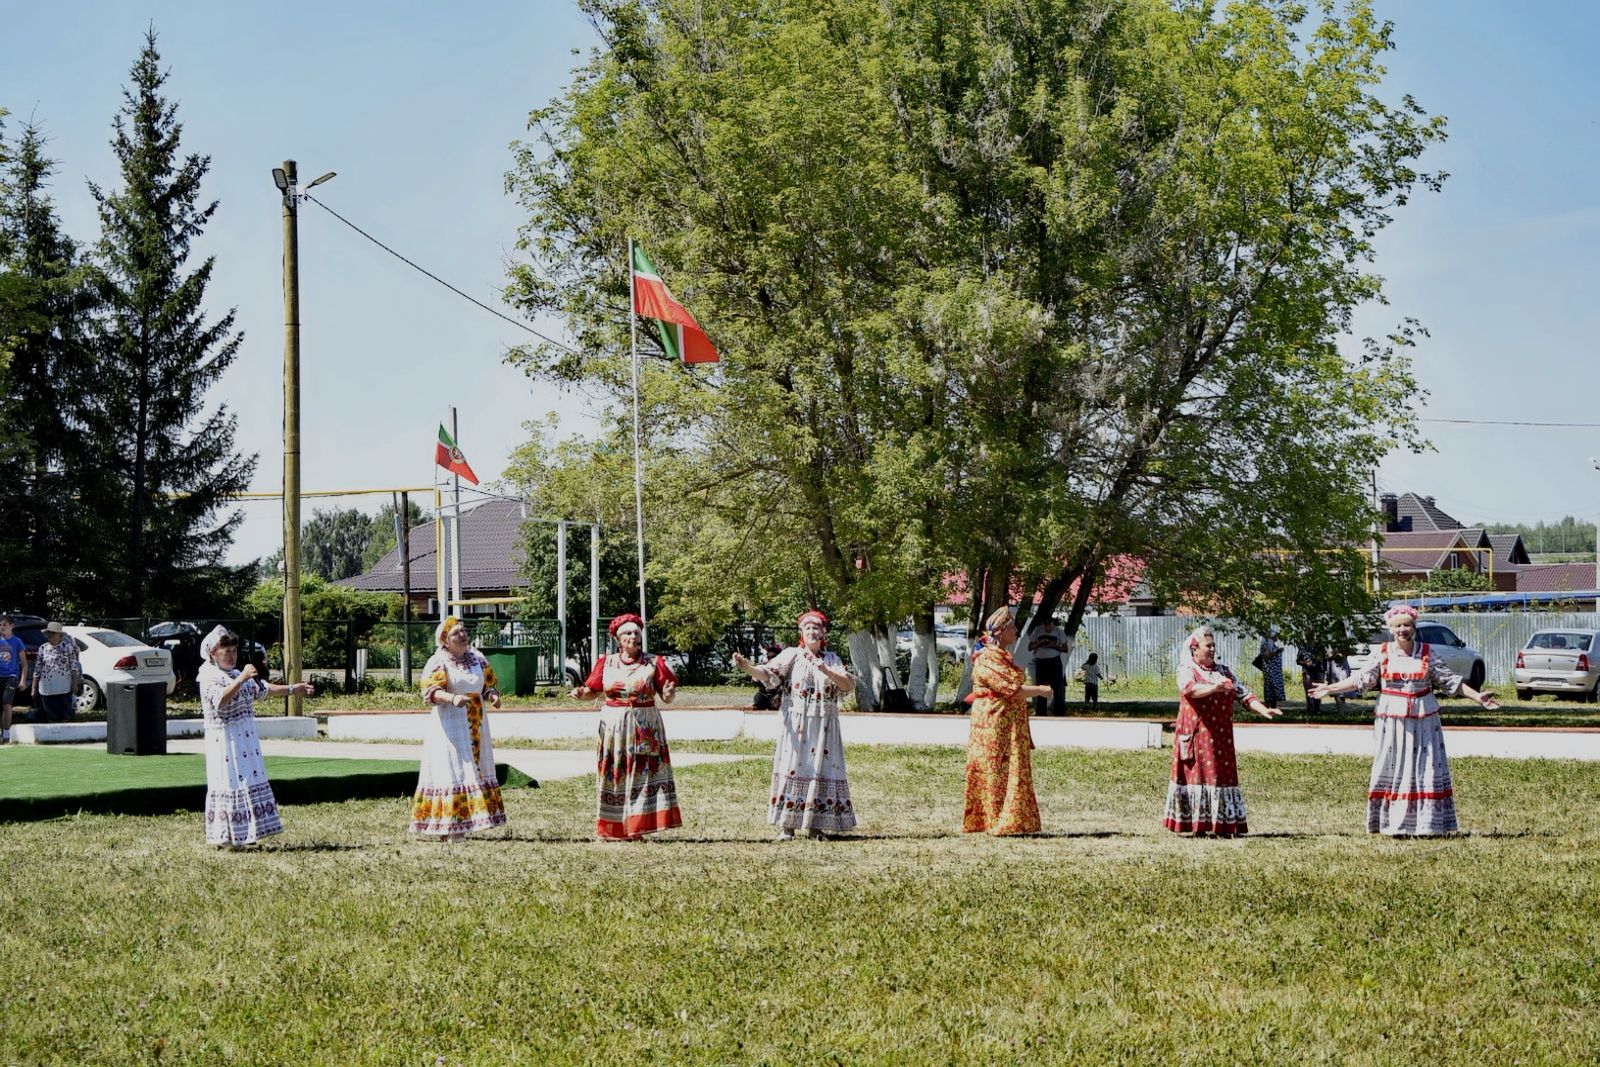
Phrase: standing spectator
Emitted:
{"points": [[1091, 679], [1046, 645], [13, 674], [1269, 661], [57, 676], [1312, 659], [1336, 668]]}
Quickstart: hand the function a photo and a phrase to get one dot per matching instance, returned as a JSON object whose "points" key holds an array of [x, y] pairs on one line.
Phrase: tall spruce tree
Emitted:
{"points": [[163, 467], [46, 323]]}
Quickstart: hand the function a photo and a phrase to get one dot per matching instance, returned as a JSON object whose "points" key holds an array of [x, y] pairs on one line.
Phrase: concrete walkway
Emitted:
{"points": [[542, 765]]}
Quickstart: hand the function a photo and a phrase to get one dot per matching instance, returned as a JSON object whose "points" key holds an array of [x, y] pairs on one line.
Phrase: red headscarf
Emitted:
{"points": [[623, 620], [817, 617]]}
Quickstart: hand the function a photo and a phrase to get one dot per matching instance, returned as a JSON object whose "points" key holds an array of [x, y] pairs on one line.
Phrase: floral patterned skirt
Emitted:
{"points": [[809, 788], [1204, 796], [635, 793], [457, 791]]}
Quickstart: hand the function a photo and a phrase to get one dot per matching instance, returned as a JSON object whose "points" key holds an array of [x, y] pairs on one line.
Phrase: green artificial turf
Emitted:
{"points": [[42, 782], [1104, 940]]}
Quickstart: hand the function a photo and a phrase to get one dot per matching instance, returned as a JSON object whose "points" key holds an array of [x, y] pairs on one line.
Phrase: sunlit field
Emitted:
{"points": [[1104, 939]]}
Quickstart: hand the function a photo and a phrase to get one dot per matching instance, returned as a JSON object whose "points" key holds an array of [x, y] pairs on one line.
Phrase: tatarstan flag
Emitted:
{"points": [[448, 456], [680, 335]]}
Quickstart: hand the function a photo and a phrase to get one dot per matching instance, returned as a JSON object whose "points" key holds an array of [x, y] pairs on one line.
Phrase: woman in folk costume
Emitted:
{"points": [[1203, 796], [240, 807], [636, 793], [457, 791], [999, 798], [1410, 793], [810, 791]]}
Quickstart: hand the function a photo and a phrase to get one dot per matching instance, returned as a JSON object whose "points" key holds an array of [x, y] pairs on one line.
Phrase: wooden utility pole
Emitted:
{"points": [[291, 433]]}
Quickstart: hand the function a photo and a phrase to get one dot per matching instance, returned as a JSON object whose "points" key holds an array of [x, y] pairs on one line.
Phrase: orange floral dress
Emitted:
{"points": [[999, 798]]}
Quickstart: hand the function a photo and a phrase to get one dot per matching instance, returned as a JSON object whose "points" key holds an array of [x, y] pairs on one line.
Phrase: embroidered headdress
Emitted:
{"points": [[1399, 611]]}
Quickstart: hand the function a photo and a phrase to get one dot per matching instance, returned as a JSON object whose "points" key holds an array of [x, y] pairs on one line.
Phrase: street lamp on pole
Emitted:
{"points": [[286, 179]]}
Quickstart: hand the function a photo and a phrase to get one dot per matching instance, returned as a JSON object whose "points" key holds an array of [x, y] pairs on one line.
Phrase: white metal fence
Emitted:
{"points": [[1147, 646]]}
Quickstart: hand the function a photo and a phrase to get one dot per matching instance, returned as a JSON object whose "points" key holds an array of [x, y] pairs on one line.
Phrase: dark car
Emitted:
{"points": [[183, 639], [30, 628]]}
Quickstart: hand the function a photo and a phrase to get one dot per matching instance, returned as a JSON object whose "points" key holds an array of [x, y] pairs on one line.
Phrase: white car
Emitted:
{"points": [[1560, 662], [1451, 650], [950, 640], [110, 657]]}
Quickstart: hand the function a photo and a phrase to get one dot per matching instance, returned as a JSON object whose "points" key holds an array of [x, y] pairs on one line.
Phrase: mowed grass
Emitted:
{"points": [[1103, 940]]}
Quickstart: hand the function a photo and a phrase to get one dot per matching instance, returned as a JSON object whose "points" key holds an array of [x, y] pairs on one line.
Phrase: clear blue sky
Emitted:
{"points": [[415, 104]]}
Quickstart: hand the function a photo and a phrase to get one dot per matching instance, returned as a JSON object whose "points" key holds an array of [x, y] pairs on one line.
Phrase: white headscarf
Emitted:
{"points": [[1186, 653], [212, 639]]}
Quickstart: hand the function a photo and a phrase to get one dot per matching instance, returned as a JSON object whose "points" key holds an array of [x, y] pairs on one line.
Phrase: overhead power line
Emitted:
{"points": [[1519, 422], [424, 270]]}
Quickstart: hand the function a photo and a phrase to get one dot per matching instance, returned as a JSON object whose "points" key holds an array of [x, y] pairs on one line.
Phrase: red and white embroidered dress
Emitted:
{"points": [[810, 789], [1410, 792], [635, 791]]}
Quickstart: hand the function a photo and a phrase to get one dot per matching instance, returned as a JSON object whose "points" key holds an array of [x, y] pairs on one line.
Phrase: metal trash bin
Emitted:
{"points": [[136, 719]]}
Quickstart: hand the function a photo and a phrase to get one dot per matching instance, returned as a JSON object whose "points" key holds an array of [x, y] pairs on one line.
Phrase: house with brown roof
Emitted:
{"points": [[491, 560], [1420, 537]]}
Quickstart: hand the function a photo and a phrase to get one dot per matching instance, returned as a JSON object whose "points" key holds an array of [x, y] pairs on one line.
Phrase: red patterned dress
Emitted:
{"points": [[635, 791], [1204, 796], [999, 798]]}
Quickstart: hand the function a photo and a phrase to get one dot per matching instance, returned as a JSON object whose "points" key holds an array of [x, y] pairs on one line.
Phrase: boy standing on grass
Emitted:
{"points": [[13, 674]]}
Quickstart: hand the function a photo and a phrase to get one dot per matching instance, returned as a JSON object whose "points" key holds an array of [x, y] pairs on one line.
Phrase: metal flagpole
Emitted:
{"points": [[594, 594], [638, 470], [455, 522]]}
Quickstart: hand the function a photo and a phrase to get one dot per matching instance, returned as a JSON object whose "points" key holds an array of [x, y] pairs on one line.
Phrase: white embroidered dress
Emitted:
{"points": [[458, 791], [1411, 792], [240, 807], [810, 790]]}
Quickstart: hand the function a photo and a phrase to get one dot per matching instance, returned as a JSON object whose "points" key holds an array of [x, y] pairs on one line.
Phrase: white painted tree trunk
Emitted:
{"points": [[922, 683], [864, 663], [872, 657]]}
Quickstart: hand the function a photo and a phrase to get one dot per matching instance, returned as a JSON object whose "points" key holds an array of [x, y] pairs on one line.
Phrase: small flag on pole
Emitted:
{"points": [[680, 335], [448, 456]]}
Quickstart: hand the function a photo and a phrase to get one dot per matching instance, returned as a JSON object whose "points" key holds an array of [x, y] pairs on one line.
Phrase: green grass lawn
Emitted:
{"points": [[1105, 939], [42, 782]]}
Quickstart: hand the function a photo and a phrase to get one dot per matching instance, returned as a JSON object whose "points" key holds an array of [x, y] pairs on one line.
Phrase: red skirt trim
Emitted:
{"points": [[1206, 826], [1388, 794], [638, 825]]}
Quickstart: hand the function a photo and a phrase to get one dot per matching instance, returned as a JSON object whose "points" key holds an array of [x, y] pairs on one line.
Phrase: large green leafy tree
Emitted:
{"points": [[161, 460], [45, 321], [1016, 289], [1175, 207]]}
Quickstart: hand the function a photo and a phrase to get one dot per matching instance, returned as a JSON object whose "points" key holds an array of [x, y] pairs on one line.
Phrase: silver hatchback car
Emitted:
{"points": [[1558, 661]]}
